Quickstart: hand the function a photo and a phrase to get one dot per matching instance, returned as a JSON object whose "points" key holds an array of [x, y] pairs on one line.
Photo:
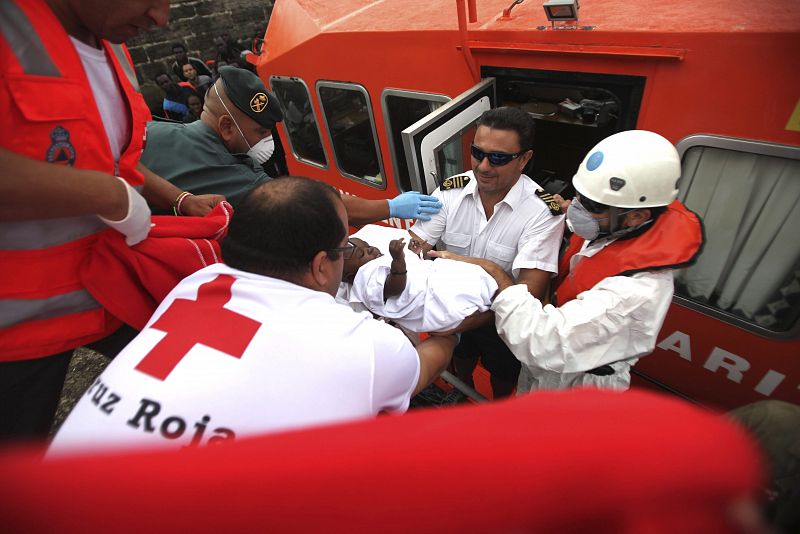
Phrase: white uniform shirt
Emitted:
{"points": [[615, 322], [439, 294], [521, 234], [286, 357]]}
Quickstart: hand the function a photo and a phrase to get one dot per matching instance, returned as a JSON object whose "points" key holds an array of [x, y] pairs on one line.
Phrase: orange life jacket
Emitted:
{"points": [[49, 114], [674, 241]]}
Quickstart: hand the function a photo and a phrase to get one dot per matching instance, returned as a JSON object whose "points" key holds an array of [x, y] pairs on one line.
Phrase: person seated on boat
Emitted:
{"points": [[175, 97], [419, 295], [198, 83], [182, 57], [616, 277], [224, 153], [195, 105], [256, 344]]}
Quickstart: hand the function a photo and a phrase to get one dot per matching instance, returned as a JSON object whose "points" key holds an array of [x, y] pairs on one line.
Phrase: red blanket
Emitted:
{"points": [[587, 461], [130, 282]]}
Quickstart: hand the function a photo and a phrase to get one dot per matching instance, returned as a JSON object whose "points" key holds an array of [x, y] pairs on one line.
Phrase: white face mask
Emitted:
{"points": [[261, 151], [581, 221]]}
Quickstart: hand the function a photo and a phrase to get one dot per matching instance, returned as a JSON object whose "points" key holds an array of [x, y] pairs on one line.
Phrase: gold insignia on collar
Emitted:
{"points": [[259, 102], [550, 201], [455, 182]]}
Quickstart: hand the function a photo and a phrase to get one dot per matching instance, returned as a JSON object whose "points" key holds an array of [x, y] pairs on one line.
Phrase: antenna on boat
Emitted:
{"points": [[507, 11]]}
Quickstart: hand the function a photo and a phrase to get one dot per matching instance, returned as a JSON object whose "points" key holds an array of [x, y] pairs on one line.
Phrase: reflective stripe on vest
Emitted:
{"points": [[126, 66], [39, 234], [46, 233], [44, 306], [24, 41], [16, 311]]}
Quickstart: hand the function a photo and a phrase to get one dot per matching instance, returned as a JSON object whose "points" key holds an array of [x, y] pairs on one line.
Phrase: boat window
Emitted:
{"points": [[748, 196], [437, 145], [351, 127], [454, 156], [401, 109], [299, 120]]}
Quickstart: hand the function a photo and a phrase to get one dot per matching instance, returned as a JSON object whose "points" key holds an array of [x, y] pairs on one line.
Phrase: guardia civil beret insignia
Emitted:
{"points": [[259, 102], [248, 93]]}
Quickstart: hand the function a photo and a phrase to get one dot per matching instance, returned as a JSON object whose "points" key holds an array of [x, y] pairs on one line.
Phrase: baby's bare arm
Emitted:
{"points": [[396, 280]]}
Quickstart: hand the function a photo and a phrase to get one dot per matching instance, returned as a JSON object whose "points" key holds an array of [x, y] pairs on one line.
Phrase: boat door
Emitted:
{"points": [[437, 146]]}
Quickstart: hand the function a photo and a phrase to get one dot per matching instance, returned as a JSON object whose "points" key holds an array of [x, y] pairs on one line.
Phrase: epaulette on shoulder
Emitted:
{"points": [[455, 182], [550, 201]]}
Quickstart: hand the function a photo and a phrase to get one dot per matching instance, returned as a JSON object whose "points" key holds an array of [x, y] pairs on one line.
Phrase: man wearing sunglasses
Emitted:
{"points": [[616, 283], [257, 344], [496, 212]]}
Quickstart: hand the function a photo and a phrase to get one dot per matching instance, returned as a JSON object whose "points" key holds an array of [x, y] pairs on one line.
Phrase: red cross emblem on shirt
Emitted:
{"points": [[203, 321]]}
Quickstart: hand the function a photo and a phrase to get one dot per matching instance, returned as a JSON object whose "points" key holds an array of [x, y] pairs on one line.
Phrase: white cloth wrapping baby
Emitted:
{"points": [[438, 295]]}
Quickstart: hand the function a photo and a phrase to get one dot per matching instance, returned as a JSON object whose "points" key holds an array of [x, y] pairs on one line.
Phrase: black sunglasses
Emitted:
{"points": [[496, 159], [347, 251]]}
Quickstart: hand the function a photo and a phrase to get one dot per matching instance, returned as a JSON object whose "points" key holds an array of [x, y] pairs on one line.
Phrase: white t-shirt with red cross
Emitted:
{"points": [[230, 354]]}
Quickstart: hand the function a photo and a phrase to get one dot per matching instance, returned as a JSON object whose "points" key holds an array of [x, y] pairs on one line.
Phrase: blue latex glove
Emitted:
{"points": [[414, 205]]}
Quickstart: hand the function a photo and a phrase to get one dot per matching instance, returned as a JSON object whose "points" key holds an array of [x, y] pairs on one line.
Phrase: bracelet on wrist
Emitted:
{"points": [[176, 206]]}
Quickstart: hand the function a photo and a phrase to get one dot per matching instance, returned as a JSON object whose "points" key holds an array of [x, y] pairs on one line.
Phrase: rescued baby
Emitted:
{"points": [[389, 280]]}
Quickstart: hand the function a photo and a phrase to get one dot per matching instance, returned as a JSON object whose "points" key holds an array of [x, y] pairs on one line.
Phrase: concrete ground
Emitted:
{"points": [[84, 367]]}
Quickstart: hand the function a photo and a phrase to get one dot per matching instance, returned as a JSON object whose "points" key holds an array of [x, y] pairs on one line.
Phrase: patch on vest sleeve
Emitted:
{"points": [[550, 201], [455, 182]]}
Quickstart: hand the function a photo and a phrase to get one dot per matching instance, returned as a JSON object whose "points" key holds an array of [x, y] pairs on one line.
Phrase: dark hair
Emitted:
{"points": [[279, 227], [507, 118], [178, 45]]}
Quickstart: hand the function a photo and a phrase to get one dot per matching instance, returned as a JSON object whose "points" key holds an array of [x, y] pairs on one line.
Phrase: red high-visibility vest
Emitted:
{"points": [[49, 114], [674, 241]]}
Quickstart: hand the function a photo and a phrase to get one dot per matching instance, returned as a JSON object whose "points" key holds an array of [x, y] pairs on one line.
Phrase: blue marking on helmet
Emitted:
{"points": [[594, 161]]}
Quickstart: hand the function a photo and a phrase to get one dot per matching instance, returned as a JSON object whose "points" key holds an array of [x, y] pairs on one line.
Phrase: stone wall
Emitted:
{"points": [[195, 23]]}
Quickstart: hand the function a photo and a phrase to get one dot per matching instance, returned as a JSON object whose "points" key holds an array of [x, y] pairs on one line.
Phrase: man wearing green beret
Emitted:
{"points": [[224, 151]]}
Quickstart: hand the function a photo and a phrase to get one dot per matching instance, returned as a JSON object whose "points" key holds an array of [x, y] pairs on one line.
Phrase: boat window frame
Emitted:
{"points": [[424, 139], [750, 146], [363, 90], [411, 94], [297, 157]]}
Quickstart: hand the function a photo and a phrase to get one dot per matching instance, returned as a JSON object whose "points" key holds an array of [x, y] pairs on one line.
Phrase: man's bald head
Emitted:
{"points": [[280, 226], [212, 108]]}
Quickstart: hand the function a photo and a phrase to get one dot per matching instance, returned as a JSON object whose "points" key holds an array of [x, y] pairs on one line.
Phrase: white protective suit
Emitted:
{"points": [[439, 294], [616, 322]]}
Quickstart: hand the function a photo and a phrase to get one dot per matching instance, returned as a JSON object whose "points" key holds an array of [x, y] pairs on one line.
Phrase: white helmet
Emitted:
{"points": [[632, 169]]}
